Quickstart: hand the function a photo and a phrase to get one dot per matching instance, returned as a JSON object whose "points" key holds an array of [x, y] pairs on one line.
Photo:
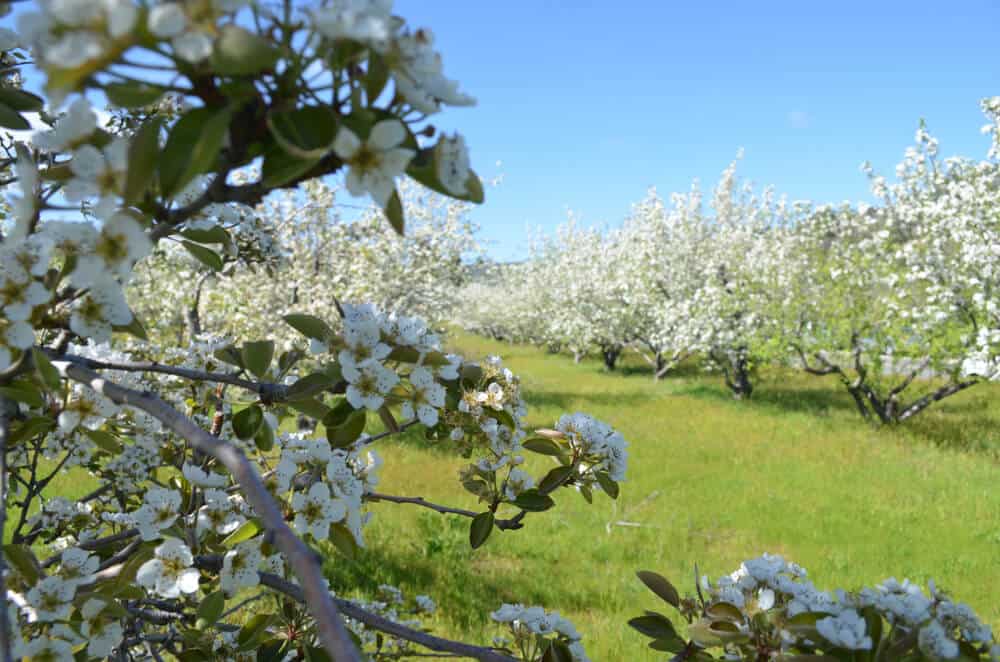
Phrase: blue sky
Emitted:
{"points": [[587, 104]]}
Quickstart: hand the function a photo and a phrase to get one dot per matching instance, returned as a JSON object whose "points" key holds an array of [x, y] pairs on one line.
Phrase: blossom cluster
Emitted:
{"points": [[533, 630], [769, 606]]}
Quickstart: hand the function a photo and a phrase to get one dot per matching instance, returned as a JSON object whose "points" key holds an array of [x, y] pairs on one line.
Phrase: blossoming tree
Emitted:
{"points": [[201, 492]]}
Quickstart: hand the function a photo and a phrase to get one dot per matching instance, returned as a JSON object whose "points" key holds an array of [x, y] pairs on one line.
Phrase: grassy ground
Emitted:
{"points": [[711, 481]]}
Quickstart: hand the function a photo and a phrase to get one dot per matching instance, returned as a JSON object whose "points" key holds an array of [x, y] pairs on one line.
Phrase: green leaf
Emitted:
{"points": [[661, 586], [105, 440], [20, 100], [244, 532], [247, 421], [376, 78], [31, 428], [556, 477], [348, 432], [132, 95], [46, 371], [239, 52], [254, 628], [533, 501], [212, 235], [211, 608], [22, 559], [310, 327], [479, 531], [280, 167], [131, 567], [609, 486], [264, 439], [339, 414], [394, 212], [344, 541], [543, 446], [24, 393], [423, 168], [143, 154], [257, 356], [311, 407], [306, 132], [309, 386], [206, 256], [654, 625], [725, 611], [193, 147], [668, 645], [10, 119], [134, 328], [229, 355]]}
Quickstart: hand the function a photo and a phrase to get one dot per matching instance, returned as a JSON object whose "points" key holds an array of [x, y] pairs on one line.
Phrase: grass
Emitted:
{"points": [[711, 481]]}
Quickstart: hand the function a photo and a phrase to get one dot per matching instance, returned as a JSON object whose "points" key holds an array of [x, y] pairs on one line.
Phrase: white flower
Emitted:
{"points": [[934, 641], [97, 171], [368, 384], [70, 130], [193, 46], [218, 513], [375, 162], [201, 478], [315, 512], [169, 574], [76, 566], [425, 604], [845, 630], [13, 336], [85, 408], [102, 308], [239, 567], [365, 21], [451, 156], [426, 398], [52, 599], [518, 481], [167, 20], [103, 633], [120, 243], [419, 77], [44, 648], [159, 510]]}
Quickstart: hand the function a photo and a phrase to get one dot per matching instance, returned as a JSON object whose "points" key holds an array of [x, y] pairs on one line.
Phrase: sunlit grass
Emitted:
{"points": [[711, 481]]}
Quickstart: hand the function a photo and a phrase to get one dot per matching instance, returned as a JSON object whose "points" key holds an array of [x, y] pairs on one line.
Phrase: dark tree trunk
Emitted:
{"points": [[610, 354]]}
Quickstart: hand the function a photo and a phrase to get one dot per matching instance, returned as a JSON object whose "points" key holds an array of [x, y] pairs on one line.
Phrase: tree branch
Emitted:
{"points": [[351, 609], [331, 628]]}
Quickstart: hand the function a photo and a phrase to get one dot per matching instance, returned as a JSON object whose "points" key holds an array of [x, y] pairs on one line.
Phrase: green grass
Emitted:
{"points": [[711, 481]]}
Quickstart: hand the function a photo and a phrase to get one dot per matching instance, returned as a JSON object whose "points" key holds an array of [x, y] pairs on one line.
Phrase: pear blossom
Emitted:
{"points": [[369, 384], [845, 630], [426, 398], [240, 567], [366, 21], [52, 598], [316, 511], [159, 511], [70, 130], [103, 632], [374, 163], [169, 574], [451, 158]]}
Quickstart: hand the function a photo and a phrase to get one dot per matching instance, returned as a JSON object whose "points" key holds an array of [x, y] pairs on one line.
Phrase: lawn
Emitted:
{"points": [[711, 481]]}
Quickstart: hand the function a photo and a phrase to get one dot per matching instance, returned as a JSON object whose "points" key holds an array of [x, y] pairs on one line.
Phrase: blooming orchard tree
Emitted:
{"points": [[300, 255], [905, 289], [201, 494]]}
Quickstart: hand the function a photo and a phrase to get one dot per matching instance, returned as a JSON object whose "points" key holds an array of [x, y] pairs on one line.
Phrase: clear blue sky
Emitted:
{"points": [[587, 104]]}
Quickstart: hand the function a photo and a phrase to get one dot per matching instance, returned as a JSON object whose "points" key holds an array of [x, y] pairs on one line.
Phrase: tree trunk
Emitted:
{"points": [[736, 370], [659, 367], [578, 355], [610, 354]]}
